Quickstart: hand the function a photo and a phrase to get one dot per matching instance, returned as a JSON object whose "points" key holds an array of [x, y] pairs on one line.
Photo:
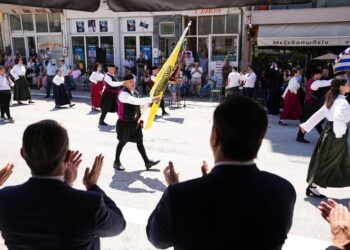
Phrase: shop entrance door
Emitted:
{"points": [[133, 45], [23, 45]]}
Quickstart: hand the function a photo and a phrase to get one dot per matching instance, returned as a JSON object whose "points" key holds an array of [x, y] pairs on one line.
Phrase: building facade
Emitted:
{"points": [[298, 33]]}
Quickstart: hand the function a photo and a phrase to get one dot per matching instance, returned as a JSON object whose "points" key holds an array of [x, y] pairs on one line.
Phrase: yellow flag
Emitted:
{"points": [[161, 80]]}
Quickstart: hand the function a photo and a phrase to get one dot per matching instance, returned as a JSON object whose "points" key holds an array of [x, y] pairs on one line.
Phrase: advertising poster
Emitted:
{"points": [[91, 25], [131, 23], [103, 26], [79, 54], [80, 26], [92, 51], [147, 51]]}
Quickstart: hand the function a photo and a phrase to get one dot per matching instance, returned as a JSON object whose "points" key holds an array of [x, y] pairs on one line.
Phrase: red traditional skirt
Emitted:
{"points": [[292, 108], [96, 89]]}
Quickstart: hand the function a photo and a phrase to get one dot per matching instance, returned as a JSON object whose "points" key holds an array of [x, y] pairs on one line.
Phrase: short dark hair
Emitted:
{"points": [[241, 124], [44, 146], [128, 77]]}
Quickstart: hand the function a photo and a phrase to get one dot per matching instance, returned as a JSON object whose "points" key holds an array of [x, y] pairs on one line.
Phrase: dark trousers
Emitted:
{"points": [[162, 105], [68, 86], [5, 98], [249, 92], [232, 91], [49, 86], [140, 148]]}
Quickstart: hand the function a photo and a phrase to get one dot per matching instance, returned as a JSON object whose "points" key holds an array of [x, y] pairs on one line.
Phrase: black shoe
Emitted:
{"points": [[118, 166], [10, 120], [151, 163], [302, 140], [102, 123], [282, 123], [165, 113], [20, 103], [310, 193], [71, 105], [30, 102]]}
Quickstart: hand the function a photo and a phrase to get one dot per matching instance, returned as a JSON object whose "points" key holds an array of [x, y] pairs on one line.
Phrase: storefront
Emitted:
{"points": [[136, 35], [33, 28], [298, 36], [92, 40]]}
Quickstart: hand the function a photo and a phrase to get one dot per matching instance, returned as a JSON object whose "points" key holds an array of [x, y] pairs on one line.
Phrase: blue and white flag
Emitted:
{"points": [[342, 62]]}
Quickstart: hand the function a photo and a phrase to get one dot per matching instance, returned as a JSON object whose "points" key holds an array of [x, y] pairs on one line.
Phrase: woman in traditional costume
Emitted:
{"points": [[96, 80], [330, 162], [21, 89], [292, 108], [62, 97]]}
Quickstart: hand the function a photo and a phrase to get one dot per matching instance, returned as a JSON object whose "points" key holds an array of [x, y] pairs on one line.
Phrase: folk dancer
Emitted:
{"points": [[129, 128], [109, 93], [62, 96], [21, 90], [5, 95], [96, 80]]}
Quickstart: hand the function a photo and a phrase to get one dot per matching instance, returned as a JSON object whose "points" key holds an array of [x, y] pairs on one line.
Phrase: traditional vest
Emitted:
{"points": [[109, 88], [126, 111]]}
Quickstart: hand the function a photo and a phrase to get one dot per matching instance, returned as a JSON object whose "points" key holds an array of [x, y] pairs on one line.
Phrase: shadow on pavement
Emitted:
{"points": [[122, 180], [277, 136], [176, 120], [107, 128]]}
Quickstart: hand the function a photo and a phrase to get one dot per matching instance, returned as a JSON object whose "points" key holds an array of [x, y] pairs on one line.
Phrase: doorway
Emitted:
{"points": [[135, 44], [23, 45]]}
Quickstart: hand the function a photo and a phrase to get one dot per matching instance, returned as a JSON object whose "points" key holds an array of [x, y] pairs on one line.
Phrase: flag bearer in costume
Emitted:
{"points": [[110, 92], [129, 128], [330, 162]]}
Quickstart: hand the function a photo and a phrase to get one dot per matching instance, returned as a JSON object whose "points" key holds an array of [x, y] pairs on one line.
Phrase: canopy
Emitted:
{"points": [[310, 34], [329, 56], [149, 5]]}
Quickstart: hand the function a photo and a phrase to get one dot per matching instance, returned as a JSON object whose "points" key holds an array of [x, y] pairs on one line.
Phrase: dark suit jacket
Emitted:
{"points": [[49, 214], [233, 207]]}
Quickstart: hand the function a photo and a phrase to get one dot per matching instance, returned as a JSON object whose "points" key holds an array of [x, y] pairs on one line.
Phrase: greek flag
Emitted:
{"points": [[342, 62]]}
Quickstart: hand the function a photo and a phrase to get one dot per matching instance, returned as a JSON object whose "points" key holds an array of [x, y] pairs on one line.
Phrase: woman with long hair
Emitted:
{"points": [[5, 95], [330, 162], [96, 80], [292, 107]]}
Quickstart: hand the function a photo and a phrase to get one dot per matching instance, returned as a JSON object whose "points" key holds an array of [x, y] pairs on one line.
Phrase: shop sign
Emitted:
{"points": [[303, 41], [206, 12]]}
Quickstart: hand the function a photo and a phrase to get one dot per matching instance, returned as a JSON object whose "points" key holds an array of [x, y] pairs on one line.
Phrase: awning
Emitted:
{"points": [[149, 5], [301, 35]]}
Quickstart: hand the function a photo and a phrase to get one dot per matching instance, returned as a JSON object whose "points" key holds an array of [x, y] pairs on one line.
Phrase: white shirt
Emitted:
{"points": [[195, 73], [233, 79], [250, 79], [125, 97], [96, 77], [18, 70], [320, 84], [4, 83], [65, 70], [293, 86], [189, 62], [129, 64], [51, 69], [339, 114], [58, 80], [108, 80]]}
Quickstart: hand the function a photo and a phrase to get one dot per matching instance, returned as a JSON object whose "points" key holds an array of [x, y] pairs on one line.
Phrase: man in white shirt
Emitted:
{"points": [[129, 128], [65, 69], [50, 71], [232, 87], [249, 85], [196, 78]]}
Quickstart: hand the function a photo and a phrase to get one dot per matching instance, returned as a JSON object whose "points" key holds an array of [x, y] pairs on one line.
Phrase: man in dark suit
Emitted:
{"points": [[235, 206], [45, 212]]}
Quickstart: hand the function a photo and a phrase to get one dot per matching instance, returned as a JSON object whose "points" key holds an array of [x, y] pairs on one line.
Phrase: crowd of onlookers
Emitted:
{"points": [[231, 204]]}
